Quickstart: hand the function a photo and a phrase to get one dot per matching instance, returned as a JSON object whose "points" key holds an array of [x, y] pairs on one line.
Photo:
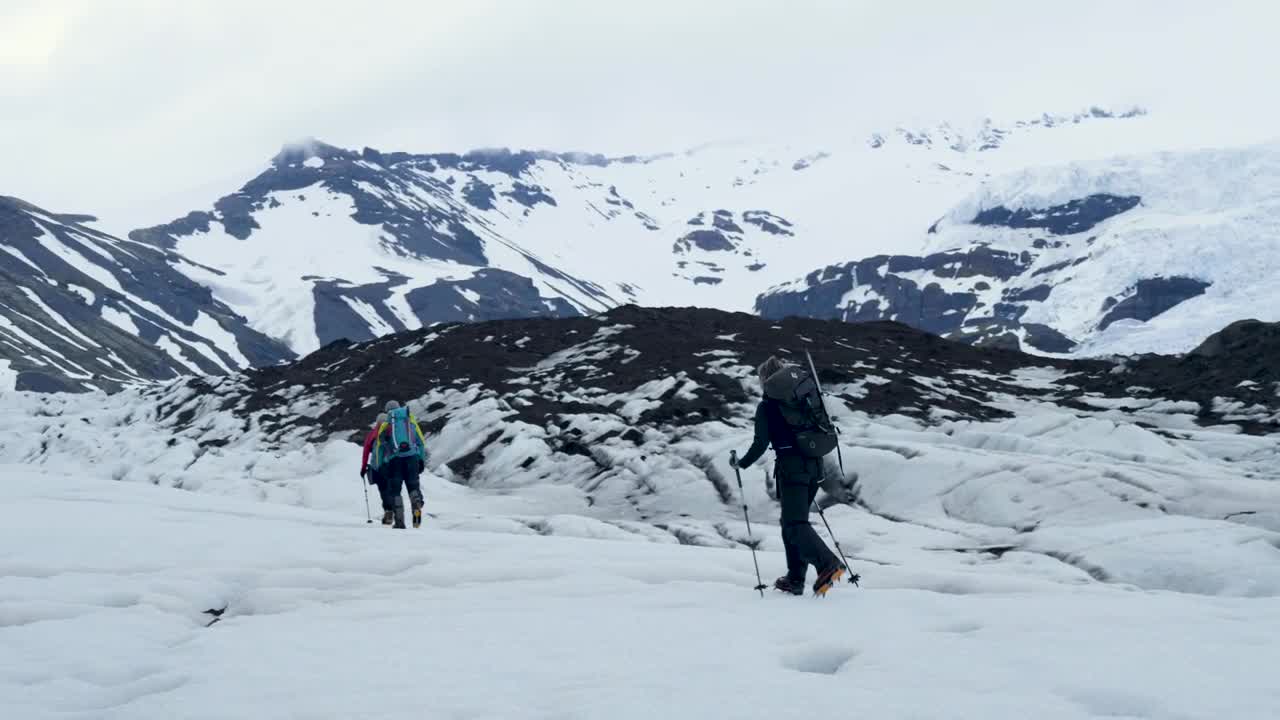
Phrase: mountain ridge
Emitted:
{"points": [[330, 243], [82, 310], [580, 226]]}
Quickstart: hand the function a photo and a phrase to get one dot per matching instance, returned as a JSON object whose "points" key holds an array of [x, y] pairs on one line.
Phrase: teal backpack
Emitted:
{"points": [[401, 436]]}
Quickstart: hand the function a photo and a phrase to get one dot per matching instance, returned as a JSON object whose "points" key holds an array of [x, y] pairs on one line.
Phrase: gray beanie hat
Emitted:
{"points": [[392, 405], [769, 367]]}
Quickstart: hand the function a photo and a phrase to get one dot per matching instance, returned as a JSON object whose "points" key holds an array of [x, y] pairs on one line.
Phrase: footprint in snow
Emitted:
{"points": [[960, 627], [820, 660]]}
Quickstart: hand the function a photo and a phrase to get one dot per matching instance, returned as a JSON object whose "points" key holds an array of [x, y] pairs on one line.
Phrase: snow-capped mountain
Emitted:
{"points": [[1143, 253], [988, 134], [329, 243], [80, 309]]}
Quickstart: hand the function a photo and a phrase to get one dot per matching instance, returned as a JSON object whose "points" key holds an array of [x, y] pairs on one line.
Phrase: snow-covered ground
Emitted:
{"points": [[1070, 539], [104, 588], [1058, 564]]}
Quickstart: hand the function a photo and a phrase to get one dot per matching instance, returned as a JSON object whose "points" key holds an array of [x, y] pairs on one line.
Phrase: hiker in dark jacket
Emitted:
{"points": [[798, 478]]}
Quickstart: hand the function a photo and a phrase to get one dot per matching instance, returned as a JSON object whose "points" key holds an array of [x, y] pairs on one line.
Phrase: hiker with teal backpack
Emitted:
{"points": [[401, 455]]}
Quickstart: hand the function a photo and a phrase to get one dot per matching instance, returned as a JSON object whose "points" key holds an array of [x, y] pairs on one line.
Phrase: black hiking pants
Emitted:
{"points": [[399, 473], [379, 479], [798, 480]]}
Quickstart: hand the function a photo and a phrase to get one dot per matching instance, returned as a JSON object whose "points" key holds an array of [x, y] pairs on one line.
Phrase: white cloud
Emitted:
{"points": [[30, 35], [150, 104]]}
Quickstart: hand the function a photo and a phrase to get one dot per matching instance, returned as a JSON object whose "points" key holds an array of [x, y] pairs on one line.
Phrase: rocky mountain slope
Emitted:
{"points": [[1135, 254], [80, 309], [330, 243], [634, 369]]}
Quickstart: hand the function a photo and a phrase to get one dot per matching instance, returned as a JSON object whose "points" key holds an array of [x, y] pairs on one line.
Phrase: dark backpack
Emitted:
{"points": [[800, 401]]}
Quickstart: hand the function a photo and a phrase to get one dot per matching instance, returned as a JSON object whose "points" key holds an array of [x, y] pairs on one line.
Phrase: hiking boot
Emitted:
{"points": [[387, 517], [826, 580], [788, 585], [398, 522], [417, 516]]}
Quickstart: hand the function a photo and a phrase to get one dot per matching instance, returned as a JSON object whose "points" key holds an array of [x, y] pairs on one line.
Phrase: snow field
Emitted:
{"points": [[327, 617], [1204, 214], [8, 378], [1065, 561], [1170, 506]]}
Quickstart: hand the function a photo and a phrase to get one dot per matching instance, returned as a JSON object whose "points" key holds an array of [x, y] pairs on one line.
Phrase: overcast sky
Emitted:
{"points": [[110, 105]]}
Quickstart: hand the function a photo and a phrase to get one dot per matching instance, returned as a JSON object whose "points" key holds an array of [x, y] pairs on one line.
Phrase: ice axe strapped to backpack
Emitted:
{"points": [[822, 398]]}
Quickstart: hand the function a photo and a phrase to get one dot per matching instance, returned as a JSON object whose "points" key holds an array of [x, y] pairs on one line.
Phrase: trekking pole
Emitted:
{"points": [[853, 576], [367, 513], [733, 458]]}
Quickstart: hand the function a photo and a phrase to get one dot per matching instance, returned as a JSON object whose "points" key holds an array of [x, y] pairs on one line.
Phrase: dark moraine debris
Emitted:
{"points": [[725, 223], [583, 396], [1151, 297], [1046, 339], [528, 195], [652, 345], [490, 294], [1076, 216], [768, 222], [335, 319], [892, 297], [479, 194], [465, 465], [709, 240], [1243, 339], [1038, 293], [1051, 268]]}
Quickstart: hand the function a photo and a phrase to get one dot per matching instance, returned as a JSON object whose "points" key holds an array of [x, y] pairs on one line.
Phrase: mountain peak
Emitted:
{"points": [[989, 134], [301, 151]]}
